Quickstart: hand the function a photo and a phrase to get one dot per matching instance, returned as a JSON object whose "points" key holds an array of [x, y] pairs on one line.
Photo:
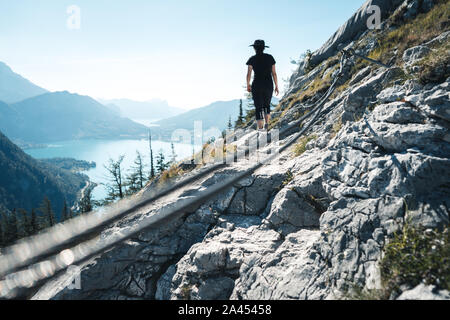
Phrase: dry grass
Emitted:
{"points": [[300, 147], [318, 85], [172, 172], [435, 65], [208, 154], [423, 28], [336, 128]]}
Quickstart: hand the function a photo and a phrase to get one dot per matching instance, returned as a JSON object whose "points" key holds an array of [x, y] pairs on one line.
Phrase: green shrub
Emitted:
{"points": [[289, 178], [355, 292], [416, 255], [412, 256]]}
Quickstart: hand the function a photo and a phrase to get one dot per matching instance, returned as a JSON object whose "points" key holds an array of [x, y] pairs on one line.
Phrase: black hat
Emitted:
{"points": [[259, 43]]}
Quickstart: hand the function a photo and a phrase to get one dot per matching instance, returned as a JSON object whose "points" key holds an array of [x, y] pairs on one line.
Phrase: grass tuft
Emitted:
{"points": [[300, 147], [423, 28], [172, 172], [435, 66], [337, 126]]}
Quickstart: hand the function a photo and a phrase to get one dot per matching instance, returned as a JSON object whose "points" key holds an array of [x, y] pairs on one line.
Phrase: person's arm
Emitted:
{"points": [[249, 78], [275, 78]]}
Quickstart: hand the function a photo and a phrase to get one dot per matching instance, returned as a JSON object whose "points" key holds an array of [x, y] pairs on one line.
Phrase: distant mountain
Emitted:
{"points": [[24, 181], [14, 88], [64, 116], [153, 109], [215, 115], [114, 108]]}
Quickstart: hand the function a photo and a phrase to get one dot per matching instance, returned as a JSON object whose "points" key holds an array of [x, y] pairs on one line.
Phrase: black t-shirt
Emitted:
{"points": [[262, 65]]}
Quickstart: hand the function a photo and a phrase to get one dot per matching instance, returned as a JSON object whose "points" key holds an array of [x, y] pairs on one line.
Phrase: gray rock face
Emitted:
{"points": [[253, 195], [414, 54], [424, 292], [360, 76], [292, 209], [345, 35], [355, 25], [360, 181], [364, 93], [289, 272], [216, 262]]}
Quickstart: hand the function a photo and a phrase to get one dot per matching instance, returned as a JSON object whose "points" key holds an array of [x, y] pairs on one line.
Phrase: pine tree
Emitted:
{"points": [[116, 185], [173, 160], [132, 183], [85, 205], [161, 165], [230, 125], [14, 225], [47, 212], [139, 169], [34, 222], [152, 167], [9, 227], [240, 120], [24, 228], [135, 180], [65, 212]]}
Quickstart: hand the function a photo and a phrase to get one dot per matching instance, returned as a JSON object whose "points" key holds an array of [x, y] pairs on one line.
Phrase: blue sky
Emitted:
{"points": [[189, 52]]}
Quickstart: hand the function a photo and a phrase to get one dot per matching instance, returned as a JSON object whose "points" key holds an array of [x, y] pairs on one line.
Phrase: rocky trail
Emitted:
{"points": [[314, 222]]}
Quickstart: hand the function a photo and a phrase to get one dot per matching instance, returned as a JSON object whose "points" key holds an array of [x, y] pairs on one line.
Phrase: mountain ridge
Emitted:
{"points": [[14, 87], [151, 109], [214, 115], [58, 116]]}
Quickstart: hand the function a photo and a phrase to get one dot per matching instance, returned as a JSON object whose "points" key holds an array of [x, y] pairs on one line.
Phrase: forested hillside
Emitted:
{"points": [[24, 181]]}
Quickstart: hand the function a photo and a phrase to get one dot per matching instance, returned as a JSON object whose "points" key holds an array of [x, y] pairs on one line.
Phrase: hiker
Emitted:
{"points": [[262, 87]]}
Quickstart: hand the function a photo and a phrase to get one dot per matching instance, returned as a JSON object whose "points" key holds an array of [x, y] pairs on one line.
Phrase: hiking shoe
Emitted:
{"points": [[266, 127]]}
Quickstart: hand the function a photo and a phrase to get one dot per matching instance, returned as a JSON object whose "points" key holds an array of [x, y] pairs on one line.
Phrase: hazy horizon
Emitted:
{"points": [[189, 54]]}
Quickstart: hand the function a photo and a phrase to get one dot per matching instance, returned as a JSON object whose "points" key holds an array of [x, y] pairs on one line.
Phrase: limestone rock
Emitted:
{"points": [[424, 292], [414, 54]]}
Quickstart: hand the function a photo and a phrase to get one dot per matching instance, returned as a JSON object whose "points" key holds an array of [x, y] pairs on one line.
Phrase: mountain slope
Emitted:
{"points": [[24, 181], [14, 88], [357, 209], [153, 109], [64, 116], [215, 115]]}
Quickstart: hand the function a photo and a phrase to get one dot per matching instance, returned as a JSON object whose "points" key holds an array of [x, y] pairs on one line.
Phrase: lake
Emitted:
{"points": [[101, 151]]}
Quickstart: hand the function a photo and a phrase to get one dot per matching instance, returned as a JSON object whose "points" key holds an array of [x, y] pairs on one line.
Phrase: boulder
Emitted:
{"points": [[415, 54], [424, 292]]}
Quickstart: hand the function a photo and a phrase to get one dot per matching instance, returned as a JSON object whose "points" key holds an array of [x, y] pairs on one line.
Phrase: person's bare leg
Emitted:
{"points": [[260, 124]]}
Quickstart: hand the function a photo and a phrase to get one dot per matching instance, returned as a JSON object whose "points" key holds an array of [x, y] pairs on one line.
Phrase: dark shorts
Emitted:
{"points": [[262, 98]]}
